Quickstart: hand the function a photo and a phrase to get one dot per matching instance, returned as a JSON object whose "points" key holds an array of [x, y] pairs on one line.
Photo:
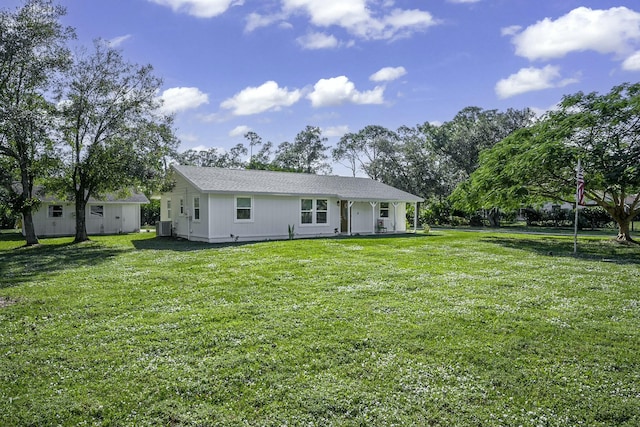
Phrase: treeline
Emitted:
{"points": [[428, 160]]}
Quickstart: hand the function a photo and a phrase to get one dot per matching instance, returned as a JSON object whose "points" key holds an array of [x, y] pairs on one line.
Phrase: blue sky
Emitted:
{"points": [[275, 66]]}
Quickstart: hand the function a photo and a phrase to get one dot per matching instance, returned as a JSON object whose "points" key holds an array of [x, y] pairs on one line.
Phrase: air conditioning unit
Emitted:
{"points": [[163, 228]]}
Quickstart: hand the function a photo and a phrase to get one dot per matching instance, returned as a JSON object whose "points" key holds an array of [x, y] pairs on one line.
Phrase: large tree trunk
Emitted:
{"points": [[494, 217], [81, 220], [26, 208], [624, 233], [29, 228]]}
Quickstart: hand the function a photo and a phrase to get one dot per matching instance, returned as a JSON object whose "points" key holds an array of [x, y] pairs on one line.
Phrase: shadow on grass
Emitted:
{"points": [[593, 250], [182, 245], [24, 264]]}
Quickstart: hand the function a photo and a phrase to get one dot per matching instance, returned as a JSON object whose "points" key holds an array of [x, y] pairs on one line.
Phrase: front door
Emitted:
{"points": [[344, 216]]}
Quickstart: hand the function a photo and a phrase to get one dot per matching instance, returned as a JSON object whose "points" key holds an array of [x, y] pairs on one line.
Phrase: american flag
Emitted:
{"points": [[580, 186]]}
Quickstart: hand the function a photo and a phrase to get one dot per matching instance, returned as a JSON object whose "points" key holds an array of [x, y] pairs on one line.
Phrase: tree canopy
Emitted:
{"points": [[306, 154], [113, 135], [538, 163], [32, 52]]}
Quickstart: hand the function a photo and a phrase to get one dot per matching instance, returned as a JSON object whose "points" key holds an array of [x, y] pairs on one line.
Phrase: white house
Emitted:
{"points": [[223, 205], [111, 215]]}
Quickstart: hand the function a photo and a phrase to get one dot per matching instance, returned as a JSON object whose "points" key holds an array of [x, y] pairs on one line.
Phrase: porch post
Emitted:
{"points": [[415, 217], [395, 216], [373, 214], [349, 204]]}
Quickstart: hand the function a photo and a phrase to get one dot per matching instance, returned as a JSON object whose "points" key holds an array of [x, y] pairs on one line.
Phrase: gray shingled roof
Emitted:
{"points": [[217, 180], [132, 197]]}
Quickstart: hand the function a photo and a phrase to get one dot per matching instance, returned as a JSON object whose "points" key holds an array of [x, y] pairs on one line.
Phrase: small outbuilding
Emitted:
{"points": [[109, 215], [225, 205]]}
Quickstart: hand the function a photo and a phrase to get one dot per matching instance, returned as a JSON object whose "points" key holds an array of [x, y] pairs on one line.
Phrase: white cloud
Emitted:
{"points": [[200, 8], [463, 1], [387, 74], [614, 30], [340, 90], [632, 63], [511, 30], [531, 79], [333, 131], [357, 18], [182, 98], [239, 131], [118, 41], [318, 41], [199, 148], [255, 21], [254, 100]]}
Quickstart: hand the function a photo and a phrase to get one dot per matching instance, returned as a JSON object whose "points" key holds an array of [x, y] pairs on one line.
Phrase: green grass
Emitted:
{"points": [[449, 328]]}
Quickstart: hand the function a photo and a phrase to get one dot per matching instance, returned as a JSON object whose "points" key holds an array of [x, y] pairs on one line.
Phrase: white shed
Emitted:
{"points": [[224, 205], [110, 215]]}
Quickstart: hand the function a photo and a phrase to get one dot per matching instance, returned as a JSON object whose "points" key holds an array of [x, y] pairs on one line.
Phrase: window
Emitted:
{"points": [[169, 209], [55, 211], [181, 206], [244, 206], [306, 211], [321, 211], [314, 211], [196, 208], [97, 211], [384, 209]]}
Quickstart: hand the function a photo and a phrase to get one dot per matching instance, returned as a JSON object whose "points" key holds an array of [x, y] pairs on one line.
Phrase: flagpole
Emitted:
{"points": [[579, 178]]}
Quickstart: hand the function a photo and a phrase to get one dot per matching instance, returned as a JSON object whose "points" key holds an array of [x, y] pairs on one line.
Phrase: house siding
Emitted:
{"points": [[116, 218], [271, 214]]}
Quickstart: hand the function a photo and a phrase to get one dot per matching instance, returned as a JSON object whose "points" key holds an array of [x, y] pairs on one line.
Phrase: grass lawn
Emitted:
{"points": [[449, 328]]}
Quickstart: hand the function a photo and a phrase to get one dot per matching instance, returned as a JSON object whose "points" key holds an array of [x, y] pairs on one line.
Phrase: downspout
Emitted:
{"points": [[415, 217]]}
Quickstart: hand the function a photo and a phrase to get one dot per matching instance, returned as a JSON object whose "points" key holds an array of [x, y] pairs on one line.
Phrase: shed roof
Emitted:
{"points": [[248, 181], [132, 197]]}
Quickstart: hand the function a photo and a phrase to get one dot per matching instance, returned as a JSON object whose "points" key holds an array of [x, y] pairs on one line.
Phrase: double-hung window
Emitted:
{"points": [[384, 209], [196, 208], [169, 209], [244, 209], [306, 211], [181, 206], [314, 211]]}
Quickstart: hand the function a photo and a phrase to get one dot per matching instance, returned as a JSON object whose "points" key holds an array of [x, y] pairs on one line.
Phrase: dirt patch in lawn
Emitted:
{"points": [[6, 302]]}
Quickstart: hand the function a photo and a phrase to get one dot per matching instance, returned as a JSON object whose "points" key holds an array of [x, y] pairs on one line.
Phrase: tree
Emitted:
{"points": [[262, 160], [254, 139], [367, 150], [306, 154], [214, 157], [424, 171], [473, 130], [538, 163], [114, 135], [32, 50], [347, 152]]}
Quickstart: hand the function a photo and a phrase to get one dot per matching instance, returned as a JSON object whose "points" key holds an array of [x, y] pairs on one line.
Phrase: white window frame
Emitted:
{"points": [[51, 211], [306, 211], [196, 209], [168, 208], [314, 211], [250, 208], [181, 206], [387, 209]]}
